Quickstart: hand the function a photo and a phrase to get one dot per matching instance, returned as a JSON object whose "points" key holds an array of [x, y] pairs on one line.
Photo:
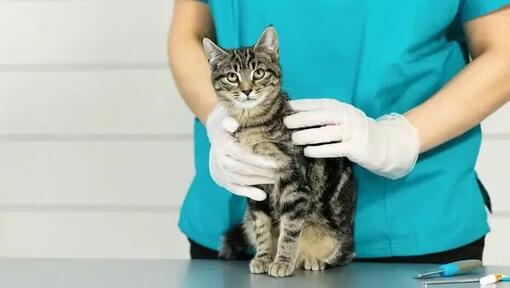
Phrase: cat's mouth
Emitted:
{"points": [[248, 102]]}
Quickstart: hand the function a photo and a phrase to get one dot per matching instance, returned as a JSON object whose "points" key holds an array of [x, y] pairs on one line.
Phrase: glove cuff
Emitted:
{"points": [[403, 145], [215, 117], [218, 118]]}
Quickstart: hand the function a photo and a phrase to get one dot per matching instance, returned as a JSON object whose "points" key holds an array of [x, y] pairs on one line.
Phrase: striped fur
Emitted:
{"points": [[307, 219]]}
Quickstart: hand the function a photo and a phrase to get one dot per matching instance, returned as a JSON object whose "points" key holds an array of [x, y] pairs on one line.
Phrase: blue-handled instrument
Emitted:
{"points": [[452, 269]]}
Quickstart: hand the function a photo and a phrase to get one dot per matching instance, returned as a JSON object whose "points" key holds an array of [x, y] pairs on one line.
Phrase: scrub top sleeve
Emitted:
{"points": [[472, 9], [203, 1]]}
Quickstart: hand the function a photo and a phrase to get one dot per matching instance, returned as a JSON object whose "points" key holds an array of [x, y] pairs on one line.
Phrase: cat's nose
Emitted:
{"points": [[247, 91]]}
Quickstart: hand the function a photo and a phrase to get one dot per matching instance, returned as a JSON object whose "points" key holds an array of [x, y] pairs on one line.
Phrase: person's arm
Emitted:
{"points": [[389, 146], [481, 88], [230, 166], [192, 22]]}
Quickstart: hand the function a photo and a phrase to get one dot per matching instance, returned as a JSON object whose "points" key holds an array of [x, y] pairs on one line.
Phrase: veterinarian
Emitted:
{"points": [[400, 85]]}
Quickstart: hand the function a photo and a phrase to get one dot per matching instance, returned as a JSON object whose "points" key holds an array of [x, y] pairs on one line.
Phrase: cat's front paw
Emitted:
{"points": [[281, 269], [259, 266], [314, 264]]}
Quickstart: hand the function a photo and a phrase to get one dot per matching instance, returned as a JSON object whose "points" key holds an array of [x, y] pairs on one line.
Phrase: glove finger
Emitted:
{"points": [[311, 104], [319, 117], [247, 191], [326, 134], [239, 179], [239, 167], [230, 124], [328, 151], [234, 150]]}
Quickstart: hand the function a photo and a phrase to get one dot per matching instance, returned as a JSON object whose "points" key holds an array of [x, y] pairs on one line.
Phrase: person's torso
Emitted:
{"points": [[382, 57]]}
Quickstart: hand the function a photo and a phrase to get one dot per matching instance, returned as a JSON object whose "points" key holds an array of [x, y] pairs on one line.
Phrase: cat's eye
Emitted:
{"points": [[259, 74], [232, 77]]}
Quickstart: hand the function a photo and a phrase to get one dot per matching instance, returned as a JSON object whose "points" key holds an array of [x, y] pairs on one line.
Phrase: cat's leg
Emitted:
{"points": [[294, 206], [261, 235], [342, 205], [344, 251], [292, 203]]}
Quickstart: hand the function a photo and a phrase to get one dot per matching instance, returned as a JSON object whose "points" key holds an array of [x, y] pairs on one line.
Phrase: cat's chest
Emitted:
{"points": [[253, 136], [250, 139]]}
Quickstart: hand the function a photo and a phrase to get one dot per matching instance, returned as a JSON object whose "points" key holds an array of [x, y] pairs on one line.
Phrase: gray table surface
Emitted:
{"points": [[52, 273]]}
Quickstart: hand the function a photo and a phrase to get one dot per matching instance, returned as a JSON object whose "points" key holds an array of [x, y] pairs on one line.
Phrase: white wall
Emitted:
{"points": [[95, 143], [494, 170]]}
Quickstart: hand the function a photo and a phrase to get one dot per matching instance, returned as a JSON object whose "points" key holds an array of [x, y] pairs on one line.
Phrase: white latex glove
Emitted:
{"points": [[231, 166], [388, 146]]}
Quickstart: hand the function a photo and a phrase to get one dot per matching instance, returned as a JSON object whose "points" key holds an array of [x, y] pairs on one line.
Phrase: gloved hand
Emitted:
{"points": [[231, 166], [388, 146]]}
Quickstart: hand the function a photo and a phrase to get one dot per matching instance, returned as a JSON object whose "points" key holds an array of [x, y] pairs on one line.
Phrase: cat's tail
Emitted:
{"points": [[234, 244]]}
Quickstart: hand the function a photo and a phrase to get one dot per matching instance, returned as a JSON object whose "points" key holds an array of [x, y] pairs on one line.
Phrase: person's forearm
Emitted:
{"points": [[192, 77], [481, 88], [187, 58], [477, 91]]}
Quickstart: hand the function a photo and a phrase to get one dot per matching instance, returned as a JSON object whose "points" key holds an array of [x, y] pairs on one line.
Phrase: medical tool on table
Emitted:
{"points": [[449, 281], [484, 281], [493, 278], [452, 269]]}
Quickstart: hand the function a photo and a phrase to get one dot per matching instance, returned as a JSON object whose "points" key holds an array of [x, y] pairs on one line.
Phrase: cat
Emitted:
{"points": [[307, 218]]}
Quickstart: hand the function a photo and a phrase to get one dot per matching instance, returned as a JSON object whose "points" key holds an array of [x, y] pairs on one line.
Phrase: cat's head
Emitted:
{"points": [[246, 79]]}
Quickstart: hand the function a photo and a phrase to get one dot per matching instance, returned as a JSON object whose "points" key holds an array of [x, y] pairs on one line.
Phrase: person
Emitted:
{"points": [[399, 87]]}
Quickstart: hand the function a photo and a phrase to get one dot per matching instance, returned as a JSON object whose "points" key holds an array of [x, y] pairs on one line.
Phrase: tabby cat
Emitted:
{"points": [[307, 219]]}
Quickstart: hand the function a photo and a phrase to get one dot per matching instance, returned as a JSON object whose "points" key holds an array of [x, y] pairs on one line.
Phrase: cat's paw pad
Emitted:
{"points": [[314, 264], [259, 266], [281, 269]]}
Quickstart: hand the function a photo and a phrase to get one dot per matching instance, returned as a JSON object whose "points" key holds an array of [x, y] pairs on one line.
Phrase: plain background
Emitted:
{"points": [[96, 144]]}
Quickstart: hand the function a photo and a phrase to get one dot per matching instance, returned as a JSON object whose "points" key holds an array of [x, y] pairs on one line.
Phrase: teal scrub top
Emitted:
{"points": [[382, 57]]}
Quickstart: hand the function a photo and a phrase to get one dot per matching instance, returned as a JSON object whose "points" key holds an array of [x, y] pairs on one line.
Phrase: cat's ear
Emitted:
{"points": [[212, 51], [268, 41]]}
